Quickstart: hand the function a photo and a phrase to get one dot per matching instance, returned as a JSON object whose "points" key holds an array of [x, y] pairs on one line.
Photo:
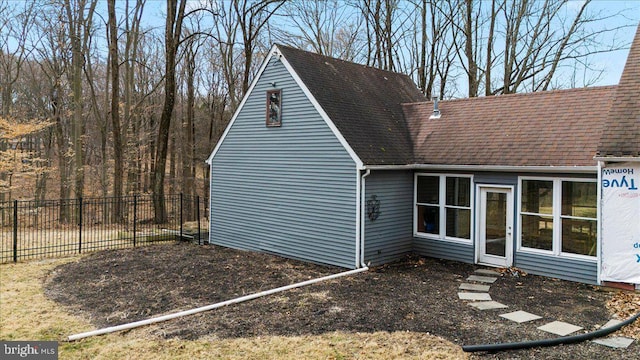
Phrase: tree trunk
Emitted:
{"points": [[487, 72], [61, 142], [173, 28], [472, 66], [188, 139], [118, 147]]}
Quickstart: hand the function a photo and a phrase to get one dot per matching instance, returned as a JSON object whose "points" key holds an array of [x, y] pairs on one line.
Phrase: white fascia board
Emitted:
{"points": [[505, 168], [616, 159], [323, 114], [273, 52]]}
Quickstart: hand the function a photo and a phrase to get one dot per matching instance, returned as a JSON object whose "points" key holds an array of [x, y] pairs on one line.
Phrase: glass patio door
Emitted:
{"points": [[495, 226]]}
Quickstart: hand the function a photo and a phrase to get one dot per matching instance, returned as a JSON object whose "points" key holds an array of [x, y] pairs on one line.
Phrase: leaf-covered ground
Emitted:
{"points": [[417, 295]]}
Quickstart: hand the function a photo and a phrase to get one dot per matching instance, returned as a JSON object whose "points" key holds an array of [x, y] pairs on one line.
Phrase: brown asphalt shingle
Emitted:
{"points": [[363, 102], [385, 118], [553, 128], [621, 135]]}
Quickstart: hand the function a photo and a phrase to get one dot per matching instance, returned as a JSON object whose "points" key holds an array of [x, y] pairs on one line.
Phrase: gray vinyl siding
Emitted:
{"points": [[289, 190], [584, 271], [442, 249], [389, 237]]}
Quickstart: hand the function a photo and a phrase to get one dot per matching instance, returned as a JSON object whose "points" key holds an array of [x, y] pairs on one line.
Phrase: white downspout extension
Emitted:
{"points": [[361, 267], [210, 307], [363, 196]]}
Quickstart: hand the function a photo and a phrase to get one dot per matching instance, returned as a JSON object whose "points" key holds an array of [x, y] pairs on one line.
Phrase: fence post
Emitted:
{"points": [[80, 225], [198, 217], [15, 230], [180, 217], [135, 219]]}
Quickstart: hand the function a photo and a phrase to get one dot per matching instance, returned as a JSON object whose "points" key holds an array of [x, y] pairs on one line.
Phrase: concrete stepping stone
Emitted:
{"points": [[559, 328], [474, 296], [610, 323], [488, 305], [484, 279], [520, 316], [474, 287], [487, 272], [617, 342]]}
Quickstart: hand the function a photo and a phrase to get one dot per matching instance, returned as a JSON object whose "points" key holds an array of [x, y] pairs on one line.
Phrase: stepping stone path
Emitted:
{"points": [[617, 342], [479, 297], [488, 305], [474, 296], [520, 316], [474, 287], [560, 328], [484, 279]]}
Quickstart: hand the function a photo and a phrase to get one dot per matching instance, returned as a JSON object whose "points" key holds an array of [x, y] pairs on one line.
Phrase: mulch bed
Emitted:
{"points": [[418, 294]]}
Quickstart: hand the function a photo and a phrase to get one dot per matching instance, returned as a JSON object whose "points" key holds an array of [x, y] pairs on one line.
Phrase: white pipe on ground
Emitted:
{"points": [[210, 307]]}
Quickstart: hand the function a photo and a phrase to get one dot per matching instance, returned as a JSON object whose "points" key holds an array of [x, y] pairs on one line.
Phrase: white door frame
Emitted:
{"points": [[480, 245]]}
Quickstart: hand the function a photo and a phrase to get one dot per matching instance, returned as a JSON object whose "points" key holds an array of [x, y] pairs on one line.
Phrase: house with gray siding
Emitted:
{"points": [[337, 163]]}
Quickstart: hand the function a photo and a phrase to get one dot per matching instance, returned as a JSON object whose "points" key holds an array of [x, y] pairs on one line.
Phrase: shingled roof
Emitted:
{"points": [[386, 119], [363, 102], [553, 128], [621, 135]]}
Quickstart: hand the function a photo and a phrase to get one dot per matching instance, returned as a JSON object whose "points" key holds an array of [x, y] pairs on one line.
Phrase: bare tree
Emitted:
{"points": [[238, 27], [79, 24], [324, 27], [432, 51], [384, 29], [519, 45], [252, 16], [114, 66], [173, 30], [15, 26], [187, 144], [54, 57], [133, 100]]}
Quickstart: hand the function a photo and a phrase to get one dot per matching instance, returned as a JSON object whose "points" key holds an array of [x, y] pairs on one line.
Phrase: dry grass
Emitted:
{"points": [[33, 244], [26, 314]]}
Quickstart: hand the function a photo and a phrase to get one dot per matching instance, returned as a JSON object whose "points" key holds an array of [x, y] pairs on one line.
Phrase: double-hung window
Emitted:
{"points": [[443, 206], [558, 216]]}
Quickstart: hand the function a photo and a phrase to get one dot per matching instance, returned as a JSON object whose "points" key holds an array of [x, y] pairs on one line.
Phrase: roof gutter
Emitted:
{"points": [[506, 168]]}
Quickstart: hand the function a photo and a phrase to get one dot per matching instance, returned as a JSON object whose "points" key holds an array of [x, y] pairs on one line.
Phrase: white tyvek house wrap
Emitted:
{"points": [[621, 223]]}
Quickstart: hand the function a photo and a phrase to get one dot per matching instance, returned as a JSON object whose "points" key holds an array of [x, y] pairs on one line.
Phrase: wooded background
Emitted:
{"points": [[108, 98]]}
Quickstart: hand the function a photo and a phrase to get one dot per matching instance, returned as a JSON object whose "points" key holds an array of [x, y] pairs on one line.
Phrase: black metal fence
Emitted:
{"points": [[40, 229]]}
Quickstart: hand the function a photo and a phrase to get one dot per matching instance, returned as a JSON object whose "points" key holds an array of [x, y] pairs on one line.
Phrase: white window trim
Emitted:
{"points": [[442, 206], [556, 244]]}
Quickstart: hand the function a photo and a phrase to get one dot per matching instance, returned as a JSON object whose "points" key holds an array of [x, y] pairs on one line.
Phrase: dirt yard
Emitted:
{"points": [[416, 295]]}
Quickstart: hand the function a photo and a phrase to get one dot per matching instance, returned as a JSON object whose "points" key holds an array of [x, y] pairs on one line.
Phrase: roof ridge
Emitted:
{"points": [[527, 94], [395, 73]]}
